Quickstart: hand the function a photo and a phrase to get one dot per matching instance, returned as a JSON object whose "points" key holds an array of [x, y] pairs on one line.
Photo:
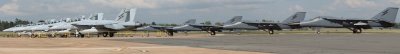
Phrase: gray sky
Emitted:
{"points": [[178, 11]]}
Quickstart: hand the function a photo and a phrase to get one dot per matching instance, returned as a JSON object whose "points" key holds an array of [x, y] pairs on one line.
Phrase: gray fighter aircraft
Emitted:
{"points": [[385, 19], [189, 25], [289, 23]]}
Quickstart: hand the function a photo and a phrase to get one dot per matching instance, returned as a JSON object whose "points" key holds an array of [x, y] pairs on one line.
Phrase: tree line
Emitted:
{"points": [[9, 24]]}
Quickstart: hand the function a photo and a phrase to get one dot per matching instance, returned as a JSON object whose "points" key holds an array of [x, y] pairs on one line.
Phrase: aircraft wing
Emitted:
{"points": [[352, 19], [92, 22], [349, 21], [207, 27], [153, 28]]}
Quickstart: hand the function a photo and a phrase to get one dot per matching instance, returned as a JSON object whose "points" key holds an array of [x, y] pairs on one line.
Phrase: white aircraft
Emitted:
{"points": [[124, 21]]}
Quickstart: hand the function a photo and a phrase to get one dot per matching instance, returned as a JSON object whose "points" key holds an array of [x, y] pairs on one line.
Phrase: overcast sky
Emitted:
{"points": [[177, 11]]}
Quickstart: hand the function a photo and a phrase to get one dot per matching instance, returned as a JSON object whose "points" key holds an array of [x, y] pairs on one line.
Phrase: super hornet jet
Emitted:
{"points": [[124, 21], [289, 23], [65, 26], [189, 25], [384, 19], [43, 26]]}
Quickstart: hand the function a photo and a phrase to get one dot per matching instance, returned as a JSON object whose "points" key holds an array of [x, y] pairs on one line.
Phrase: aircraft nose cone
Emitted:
{"points": [[6, 30]]}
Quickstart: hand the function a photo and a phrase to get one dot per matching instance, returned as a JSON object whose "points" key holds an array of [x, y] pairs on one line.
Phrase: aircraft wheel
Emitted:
{"points": [[270, 31], [354, 31], [318, 32], [112, 34], [81, 35], [105, 34], [212, 33], [98, 35], [170, 33], [357, 30]]}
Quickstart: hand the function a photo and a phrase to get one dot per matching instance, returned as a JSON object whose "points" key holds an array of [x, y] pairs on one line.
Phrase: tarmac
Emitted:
{"points": [[26, 45], [332, 43], [281, 43]]}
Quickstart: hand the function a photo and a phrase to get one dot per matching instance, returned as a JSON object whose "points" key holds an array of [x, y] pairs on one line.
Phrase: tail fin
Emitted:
{"points": [[98, 16], [297, 17], [127, 15], [388, 15], [189, 22], [68, 19], [234, 20]]}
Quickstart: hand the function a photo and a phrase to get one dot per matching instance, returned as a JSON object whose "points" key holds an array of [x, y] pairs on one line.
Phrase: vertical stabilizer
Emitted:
{"points": [[120, 15], [234, 20], [127, 15], [132, 14], [295, 18], [100, 16], [68, 20], [190, 22], [388, 15]]}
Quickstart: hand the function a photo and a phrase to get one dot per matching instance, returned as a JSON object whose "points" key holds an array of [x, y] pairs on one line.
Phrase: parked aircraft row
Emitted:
{"points": [[94, 25], [125, 21]]}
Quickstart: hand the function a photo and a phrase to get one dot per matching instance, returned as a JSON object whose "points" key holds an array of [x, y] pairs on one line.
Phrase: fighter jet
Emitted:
{"points": [[30, 27], [65, 26], [61, 26], [124, 21], [189, 25], [289, 23], [14, 29], [385, 19]]}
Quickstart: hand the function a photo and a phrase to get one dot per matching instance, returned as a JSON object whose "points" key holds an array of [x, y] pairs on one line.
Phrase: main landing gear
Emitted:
{"points": [[169, 32], [107, 34], [356, 30], [270, 31], [211, 32]]}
